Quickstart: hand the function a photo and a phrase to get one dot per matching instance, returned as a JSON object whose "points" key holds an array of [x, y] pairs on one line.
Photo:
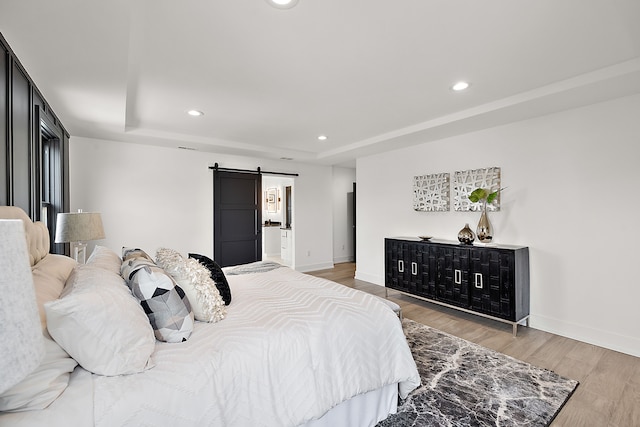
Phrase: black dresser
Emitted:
{"points": [[488, 280]]}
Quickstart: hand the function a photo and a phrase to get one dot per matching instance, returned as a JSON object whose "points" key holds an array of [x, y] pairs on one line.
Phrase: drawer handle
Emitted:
{"points": [[478, 280], [414, 268], [400, 266], [457, 277]]}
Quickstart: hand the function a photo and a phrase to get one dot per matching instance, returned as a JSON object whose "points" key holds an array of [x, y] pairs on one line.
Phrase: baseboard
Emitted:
{"points": [[617, 342], [368, 278], [313, 267], [624, 344], [343, 259]]}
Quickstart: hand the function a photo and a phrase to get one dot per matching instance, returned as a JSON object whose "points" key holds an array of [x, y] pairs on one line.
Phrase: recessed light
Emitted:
{"points": [[283, 4], [323, 137], [195, 113], [460, 86]]}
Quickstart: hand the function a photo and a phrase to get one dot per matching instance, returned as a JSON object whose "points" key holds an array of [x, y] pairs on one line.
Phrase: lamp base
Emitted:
{"points": [[79, 252]]}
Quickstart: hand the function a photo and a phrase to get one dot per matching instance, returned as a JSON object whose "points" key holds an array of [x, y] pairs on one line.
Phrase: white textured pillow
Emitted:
{"points": [[206, 302], [104, 257], [100, 324]]}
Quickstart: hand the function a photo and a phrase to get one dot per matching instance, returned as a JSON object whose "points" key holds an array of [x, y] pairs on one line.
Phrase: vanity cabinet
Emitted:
{"points": [[271, 240], [492, 281], [285, 244]]}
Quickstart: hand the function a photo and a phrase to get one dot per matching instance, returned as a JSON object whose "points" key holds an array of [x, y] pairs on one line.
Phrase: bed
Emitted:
{"points": [[288, 349]]}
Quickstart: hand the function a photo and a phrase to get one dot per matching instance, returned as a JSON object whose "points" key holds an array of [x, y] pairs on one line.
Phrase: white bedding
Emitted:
{"points": [[74, 407], [291, 347]]}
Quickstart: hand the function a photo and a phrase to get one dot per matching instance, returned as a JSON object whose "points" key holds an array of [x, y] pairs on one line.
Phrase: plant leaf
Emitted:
{"points": [[477, 195], [491, 197]]}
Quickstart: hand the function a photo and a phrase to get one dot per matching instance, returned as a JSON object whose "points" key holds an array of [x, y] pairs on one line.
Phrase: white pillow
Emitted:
{"points": [[100, 324], [195, 280], [104, 257], [42, 386]]}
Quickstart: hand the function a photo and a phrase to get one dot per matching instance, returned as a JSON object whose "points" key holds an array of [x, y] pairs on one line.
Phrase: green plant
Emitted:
{"points": [[480, 194]]}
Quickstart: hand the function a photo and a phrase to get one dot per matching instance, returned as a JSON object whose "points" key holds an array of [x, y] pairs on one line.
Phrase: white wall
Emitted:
{"points": [[343, 179], [151, 197], [572, 197]]}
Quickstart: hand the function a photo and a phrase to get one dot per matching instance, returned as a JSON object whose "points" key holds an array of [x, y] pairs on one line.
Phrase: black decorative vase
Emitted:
{"points": [[466, 235]]}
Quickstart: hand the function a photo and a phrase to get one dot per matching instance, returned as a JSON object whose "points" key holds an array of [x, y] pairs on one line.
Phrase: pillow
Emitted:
{"points": [[49, 278], [131, 253], [217, 275], [164, 302], [42, 386], [105, 258], [100, 324], [194, 279]]}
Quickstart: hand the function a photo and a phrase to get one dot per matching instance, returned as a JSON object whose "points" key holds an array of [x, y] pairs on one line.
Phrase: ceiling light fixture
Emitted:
{"points": [[283, 4], [323, 137], [460, 86], [195, 113]]}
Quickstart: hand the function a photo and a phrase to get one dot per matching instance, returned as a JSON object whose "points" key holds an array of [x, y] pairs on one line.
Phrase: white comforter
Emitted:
{"points": [[291, 347]]}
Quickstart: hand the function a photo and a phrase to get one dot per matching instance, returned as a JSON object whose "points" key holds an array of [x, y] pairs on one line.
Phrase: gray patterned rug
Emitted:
{"points": [[464, 384]]}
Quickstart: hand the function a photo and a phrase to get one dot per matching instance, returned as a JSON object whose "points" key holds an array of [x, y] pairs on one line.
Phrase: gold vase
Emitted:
{"points": [[484, 231], [465, 235]]}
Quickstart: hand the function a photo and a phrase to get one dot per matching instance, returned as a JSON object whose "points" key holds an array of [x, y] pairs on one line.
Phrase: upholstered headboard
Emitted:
{"points": [[36, 232]]}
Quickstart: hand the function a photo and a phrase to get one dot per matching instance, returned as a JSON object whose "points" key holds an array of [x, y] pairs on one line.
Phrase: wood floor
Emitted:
{"points": [[609, 390]]}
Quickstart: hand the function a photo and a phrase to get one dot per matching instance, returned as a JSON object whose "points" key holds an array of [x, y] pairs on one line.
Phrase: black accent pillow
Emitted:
{"points": [[217, 275]]}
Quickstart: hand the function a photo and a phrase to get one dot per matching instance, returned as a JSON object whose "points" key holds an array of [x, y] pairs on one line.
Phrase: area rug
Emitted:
{"points": [[464, 384]]}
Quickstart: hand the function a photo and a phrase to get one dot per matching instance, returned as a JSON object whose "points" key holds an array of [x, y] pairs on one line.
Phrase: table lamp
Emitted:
{"points": [[78, 228]]}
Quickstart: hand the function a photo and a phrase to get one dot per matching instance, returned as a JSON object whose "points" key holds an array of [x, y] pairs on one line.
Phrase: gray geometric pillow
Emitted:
{"points": [[164, 302]]}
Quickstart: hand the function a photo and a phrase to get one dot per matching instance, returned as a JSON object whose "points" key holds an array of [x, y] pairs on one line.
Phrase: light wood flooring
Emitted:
{"points": [[609, 390]]}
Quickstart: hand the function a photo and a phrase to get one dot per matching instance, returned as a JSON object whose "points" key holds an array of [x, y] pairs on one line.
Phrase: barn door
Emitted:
{"points": [[237, 217]]}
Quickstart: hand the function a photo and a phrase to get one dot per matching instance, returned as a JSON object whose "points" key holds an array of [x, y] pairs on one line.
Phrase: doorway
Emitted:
{"points": [[351, 219], [277, 219]]}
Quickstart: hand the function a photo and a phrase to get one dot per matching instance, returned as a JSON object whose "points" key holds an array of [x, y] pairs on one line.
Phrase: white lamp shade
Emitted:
{"points": [[79, 227], [22, 345]]}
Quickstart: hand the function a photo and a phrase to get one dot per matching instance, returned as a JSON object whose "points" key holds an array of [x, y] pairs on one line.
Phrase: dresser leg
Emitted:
{"points": [[515, 326]]}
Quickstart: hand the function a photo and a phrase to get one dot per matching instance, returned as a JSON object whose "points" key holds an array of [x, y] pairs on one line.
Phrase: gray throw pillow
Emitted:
{"points": [[164, 302]]}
